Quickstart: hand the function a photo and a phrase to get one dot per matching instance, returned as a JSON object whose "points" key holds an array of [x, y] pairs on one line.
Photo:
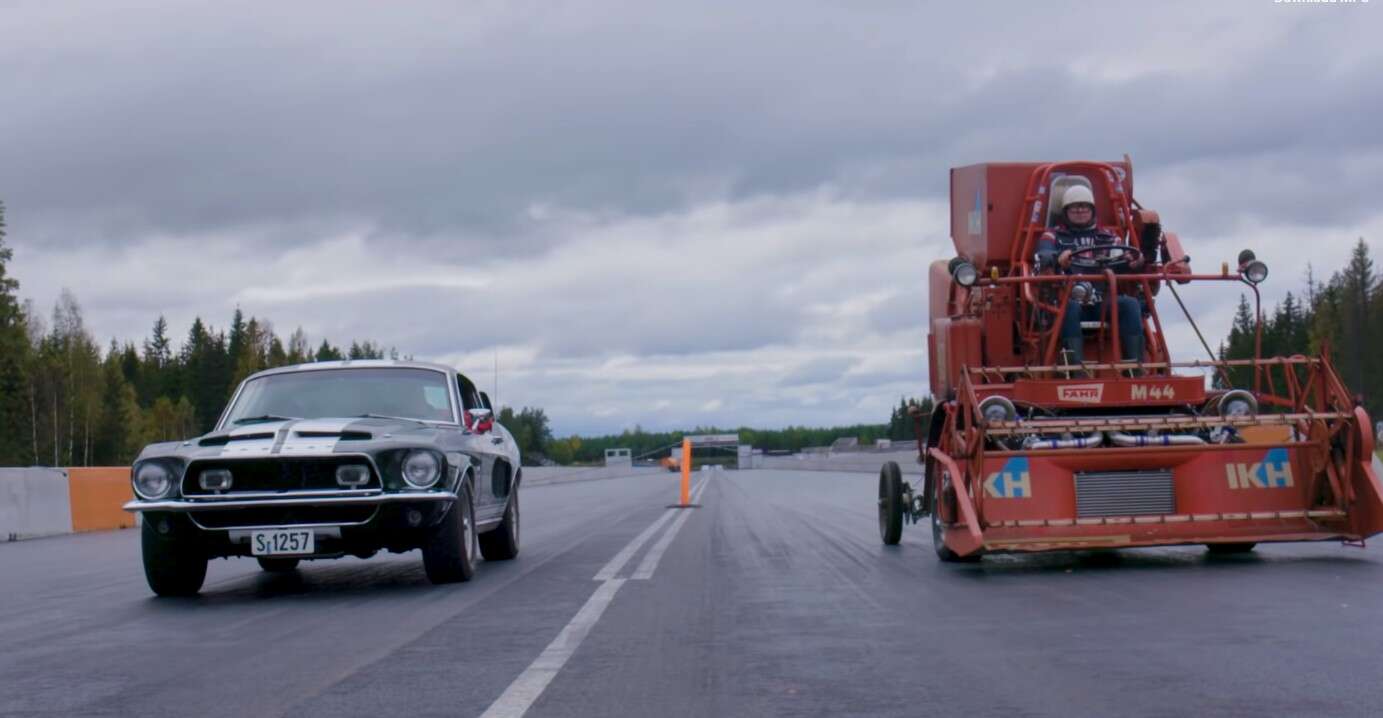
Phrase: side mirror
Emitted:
{"points": [[480, 420], [485, 401]]}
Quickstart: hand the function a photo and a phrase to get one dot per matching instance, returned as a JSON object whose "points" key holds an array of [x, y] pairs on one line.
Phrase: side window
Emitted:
{"points": [[469, 399]]}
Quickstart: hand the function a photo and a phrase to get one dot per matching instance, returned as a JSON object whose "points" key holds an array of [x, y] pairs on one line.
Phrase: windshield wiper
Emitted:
{"points": [[263, 417], [386, 416]]}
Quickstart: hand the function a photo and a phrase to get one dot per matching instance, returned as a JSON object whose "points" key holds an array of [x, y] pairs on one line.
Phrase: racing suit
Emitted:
{"points": [[1061, 238]]}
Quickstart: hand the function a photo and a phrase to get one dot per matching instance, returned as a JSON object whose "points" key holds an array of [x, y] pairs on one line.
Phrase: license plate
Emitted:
{"points": [[282, 542]]}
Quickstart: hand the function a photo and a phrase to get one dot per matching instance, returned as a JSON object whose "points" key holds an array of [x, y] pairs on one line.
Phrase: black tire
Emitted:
{"points": [[944, 554], [1229, 549], [277, 565], [502, 542], [174, 561], [891, 504], [449, 554]]}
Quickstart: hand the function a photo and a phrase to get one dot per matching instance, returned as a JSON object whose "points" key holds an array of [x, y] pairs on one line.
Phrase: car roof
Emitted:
{"points": [[356, 364]]}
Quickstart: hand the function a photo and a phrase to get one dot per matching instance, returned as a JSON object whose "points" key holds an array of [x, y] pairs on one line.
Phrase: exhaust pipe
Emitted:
{"points": [[1075, 442], [1121, 439]]}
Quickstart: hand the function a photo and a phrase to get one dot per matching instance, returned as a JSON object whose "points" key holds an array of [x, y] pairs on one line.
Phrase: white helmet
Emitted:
{"points": [[1076, 194]]}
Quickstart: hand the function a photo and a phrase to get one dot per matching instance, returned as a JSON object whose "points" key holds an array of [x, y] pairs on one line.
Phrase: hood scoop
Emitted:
{"points": [[343, 435], [223, 439]]}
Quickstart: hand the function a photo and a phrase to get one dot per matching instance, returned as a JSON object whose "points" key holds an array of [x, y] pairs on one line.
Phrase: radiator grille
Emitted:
{"points": [[1124, 493]]}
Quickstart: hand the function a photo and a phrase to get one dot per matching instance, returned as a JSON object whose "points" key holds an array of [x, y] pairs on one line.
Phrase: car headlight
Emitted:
{"points": [[421, 469], [1238, 403], [153, 480]]}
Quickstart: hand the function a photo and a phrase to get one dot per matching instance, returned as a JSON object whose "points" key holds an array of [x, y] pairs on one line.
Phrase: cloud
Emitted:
{"points": [[643, 207]]}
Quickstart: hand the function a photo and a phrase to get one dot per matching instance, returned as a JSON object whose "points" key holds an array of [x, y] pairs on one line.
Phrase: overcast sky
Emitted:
{"points": [[663, 214]]}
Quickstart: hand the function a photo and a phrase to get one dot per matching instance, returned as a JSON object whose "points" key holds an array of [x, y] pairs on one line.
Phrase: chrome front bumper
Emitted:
{"points": [[372, 497]]}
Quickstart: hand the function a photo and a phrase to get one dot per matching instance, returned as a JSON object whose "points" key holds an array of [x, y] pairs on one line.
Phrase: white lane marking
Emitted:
{"points": [[613, 567], [655, 554], [617, 563], [525, 690], [520, 695]]}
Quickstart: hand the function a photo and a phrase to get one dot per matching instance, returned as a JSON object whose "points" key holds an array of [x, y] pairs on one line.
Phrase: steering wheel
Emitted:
{"points": [[1106, 256]]}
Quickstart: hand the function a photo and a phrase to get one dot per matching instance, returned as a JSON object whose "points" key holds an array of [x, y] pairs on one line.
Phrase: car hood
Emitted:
{"points": [[304, 437]]}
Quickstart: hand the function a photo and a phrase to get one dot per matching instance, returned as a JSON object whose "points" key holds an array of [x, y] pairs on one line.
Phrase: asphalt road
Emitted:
{"points": [[774, 598]]}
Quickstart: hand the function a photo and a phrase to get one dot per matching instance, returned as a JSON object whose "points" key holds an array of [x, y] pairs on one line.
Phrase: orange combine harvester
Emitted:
{"points": [[1034, 447]]}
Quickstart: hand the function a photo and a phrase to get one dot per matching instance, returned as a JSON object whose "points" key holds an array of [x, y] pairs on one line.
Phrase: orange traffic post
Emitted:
{"points": [[686, 473]]}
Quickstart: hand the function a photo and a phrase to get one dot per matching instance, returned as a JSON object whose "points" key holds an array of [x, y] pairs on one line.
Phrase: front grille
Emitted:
{"points": [[283, 516], [282, 474], [1124, 493]]}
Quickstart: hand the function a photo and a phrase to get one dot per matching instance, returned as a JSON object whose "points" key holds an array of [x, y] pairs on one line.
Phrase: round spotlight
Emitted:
{"points": [[997, 408], [152, 480], [1255, 271], [1246, 256], [1081, 291], [964, 273], [1237, 403], [421, 469]]}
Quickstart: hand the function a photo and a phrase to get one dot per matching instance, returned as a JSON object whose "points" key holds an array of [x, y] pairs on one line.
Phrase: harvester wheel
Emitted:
{"points": [[891, 503], [1225, 549], [938, 541]]}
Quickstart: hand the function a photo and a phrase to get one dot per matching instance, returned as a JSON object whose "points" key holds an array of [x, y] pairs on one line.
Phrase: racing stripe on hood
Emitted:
{"points": [[239, 448], [297, 445]]}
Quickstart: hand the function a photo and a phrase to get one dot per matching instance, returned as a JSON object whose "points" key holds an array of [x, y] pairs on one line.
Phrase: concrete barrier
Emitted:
{"points": [[34, 502], [864, 462], [540, 475]]}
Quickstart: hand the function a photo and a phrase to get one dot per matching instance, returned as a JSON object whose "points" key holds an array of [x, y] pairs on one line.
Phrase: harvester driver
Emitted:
{"points": [[1078, 230]]}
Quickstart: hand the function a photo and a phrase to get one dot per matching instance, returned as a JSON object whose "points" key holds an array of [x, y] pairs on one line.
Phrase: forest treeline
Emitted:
{"points": [[64, 401]]}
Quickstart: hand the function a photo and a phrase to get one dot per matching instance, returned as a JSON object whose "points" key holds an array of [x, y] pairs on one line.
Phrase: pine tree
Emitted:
{"points": [[15, 419]]}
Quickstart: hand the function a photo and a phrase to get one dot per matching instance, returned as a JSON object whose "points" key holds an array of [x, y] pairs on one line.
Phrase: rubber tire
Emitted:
{"points": [[277, 565], [502, 542], [1229, 549], [944, 554], [449, 553], [891, 504], [174, 564]]}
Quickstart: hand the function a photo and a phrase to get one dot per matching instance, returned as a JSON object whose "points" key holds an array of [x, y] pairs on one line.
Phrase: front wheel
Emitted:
{"points": [[174, 563], [502, 542], [449, 554], [891, 504]]}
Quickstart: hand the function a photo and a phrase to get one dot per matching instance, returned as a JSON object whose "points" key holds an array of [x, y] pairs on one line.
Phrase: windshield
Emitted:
{"points": [[340, 393]]}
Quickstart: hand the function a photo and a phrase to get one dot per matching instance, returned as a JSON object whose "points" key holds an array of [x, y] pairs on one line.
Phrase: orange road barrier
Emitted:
{"points": [[686, 472], [96, 495]]}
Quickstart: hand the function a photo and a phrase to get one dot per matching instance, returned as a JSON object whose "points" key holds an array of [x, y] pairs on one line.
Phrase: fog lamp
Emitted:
{"points": [[215, 480], [352, 475]]}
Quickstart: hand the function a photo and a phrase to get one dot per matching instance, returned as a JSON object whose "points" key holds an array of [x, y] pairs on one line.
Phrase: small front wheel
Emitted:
{"points": [[891, 503]]}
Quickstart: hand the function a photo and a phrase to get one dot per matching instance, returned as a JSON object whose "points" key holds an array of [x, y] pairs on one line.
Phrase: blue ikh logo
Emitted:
{"points": [[1273, 472], [1011, 482]]}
